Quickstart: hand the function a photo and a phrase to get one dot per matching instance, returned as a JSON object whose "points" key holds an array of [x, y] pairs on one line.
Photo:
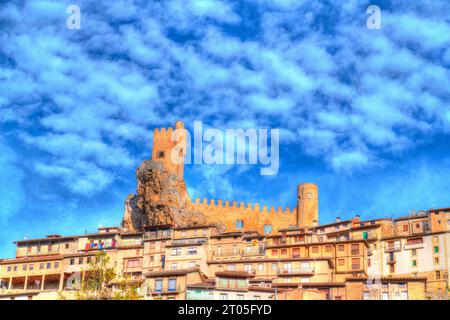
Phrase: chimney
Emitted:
{"points": [[338, 219]]}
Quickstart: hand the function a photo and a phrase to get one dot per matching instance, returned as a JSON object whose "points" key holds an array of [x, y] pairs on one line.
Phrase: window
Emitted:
{"points": [[30, 267], [88, 260], [239, 224], [260, 267], [183, 234], [267, 228], [385, 296], [158, 285], [341, 262], [72, 262], [392, 268], [49, 265], [8, 269], [435, 240], [56, 265], [283, 252], [355, 264], [240, 297], [15, 268], [176, 251], [414, 252], [66, 246], [257, 297], [160, 154], [223, 296], [191, 264], [355, 249], [276, 241], [248, 267], [174, 266], [24, 267], [366, 295], [231, 267], [327, 248], [296, 252], [41, 266], [133, 263], [287, 266], [436, 260], [315, 249], [274, 252], [405, 228], [341, 247], [235, 249], [172, 284], [402, 285], [320, 239], [414, 263], [248, 249], [436, 249], [438, 275], [274, 266], [192, 251], [204, 232], [80, 261]]}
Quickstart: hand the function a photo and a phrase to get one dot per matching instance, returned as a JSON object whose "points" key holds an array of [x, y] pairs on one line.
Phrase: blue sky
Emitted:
{"points": [[363, 113]]}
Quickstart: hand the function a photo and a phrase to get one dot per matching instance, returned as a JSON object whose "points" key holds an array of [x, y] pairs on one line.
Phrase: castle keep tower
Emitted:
{"points": [[169, 148], [307, 205]]}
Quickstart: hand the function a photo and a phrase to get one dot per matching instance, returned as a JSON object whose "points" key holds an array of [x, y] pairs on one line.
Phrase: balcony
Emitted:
{"points": [[225, 253], [293, 272], [36, 252], [254, 252], [129, 243], [243, 253], [160, 234], [414, 246], [394, 248], [187, 242], [391, 260], [164, 290]]}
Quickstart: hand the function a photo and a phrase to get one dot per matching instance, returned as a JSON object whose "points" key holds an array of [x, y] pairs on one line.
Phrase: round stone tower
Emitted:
{"points": [[307, 205]]}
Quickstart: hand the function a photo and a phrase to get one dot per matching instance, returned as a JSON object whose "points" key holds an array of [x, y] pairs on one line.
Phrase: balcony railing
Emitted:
{"points": [[183, 242], [394, 248], [129, 243], [162, 290], [157, 235], [36, 252], [298, 271], [245, 252]]}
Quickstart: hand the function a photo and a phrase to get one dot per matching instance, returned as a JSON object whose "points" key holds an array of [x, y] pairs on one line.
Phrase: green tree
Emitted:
{"points": [[94, 285]]}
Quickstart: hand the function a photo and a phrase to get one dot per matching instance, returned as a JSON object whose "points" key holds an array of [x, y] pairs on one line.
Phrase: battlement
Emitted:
{"points": [[241, 206]]}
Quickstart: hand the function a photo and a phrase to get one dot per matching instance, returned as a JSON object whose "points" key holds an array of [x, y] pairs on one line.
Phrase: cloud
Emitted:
{"points": [[344, 94]]}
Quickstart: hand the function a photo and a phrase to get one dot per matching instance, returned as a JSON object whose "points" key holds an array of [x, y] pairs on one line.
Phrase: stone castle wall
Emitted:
{"points": [[253, 217]]}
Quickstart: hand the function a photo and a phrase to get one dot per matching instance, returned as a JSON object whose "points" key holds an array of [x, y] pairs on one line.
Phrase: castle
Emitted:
{"points": [[169, 147]]}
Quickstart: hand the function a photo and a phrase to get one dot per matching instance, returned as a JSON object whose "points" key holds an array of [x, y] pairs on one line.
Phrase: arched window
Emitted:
{"points": [[239, 224], [267, 228]]}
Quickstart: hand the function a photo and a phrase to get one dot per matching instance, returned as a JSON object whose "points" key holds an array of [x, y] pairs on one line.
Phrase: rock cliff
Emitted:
{"points": [[161, 198]]}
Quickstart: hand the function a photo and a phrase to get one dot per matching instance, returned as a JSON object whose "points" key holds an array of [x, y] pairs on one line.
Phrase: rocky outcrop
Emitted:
{"points": [[161, 198]]}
